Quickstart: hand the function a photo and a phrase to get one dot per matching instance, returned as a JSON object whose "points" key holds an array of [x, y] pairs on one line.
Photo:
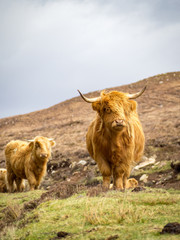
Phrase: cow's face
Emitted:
{"points": [[42, 147], [114, 108]]}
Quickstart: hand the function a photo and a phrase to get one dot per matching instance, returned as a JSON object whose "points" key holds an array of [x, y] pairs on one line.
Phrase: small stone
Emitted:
{"points": [[62, 234], [175, 166], [146, 162], [92, 162], [173, 228], [82, 162], [73, 164], [85, 168], [157, 163], [159, 182], [138, 189], [149, 184], [144, 178], [168, 178]]}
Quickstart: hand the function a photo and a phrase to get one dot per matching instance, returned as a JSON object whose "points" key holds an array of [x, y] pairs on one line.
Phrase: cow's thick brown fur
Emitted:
{"points": [[115, 139], [26, 160], [3, 182]]}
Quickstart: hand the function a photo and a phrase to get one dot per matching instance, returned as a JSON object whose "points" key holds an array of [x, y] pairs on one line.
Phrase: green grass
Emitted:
{"points": [[129, 215], [17, 199]]}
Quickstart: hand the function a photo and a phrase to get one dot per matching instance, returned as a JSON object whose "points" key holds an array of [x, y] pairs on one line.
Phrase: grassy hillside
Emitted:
{"points": [[101, 215], [71, 203]]}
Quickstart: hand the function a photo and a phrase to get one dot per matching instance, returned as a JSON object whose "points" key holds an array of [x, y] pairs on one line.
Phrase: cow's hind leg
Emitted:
{"points": [[10, 181], [19, 184]]}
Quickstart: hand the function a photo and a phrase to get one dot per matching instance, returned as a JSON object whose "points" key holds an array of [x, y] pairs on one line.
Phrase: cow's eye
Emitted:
{"points": [[107, 110], [37, 145]]}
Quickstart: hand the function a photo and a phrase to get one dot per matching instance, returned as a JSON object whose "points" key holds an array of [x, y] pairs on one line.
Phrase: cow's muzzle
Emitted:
{"points": [[43, 155], [118, 124]]}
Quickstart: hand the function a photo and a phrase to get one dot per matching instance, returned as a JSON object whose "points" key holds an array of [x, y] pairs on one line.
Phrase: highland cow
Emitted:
{"points": [[27, 160], [115, 139]]}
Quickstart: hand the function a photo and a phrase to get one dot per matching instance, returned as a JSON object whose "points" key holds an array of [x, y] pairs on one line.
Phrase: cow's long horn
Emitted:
{"points": [[136, 95], [89, 100]]}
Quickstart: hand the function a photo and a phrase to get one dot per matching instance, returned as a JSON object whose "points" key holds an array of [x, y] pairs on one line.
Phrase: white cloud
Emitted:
{"points": [[51, 48]]}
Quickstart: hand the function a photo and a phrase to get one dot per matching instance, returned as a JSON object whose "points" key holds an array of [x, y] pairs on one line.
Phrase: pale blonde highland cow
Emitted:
{"points": [[27, 160]]}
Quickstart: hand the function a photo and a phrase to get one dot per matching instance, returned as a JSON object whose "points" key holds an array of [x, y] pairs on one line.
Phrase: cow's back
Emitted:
{"points": [[15, 148], [16, 154]]}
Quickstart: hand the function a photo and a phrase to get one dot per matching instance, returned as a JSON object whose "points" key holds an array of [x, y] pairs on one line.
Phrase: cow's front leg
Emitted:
{"points": [[120, 175], [32, 180], [118, 179], [125, 180], [106, 182], [105, 170], [32, 183]]}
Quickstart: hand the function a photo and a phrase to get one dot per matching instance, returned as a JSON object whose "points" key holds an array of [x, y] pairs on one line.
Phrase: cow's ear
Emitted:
{"points": [[133, 105], [96, 106], [53, 143], [31, 144]]}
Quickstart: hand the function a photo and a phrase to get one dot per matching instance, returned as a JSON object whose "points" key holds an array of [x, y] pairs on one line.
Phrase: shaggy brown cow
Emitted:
{"points": [[115, 139], [26, 160], [3, 182]]}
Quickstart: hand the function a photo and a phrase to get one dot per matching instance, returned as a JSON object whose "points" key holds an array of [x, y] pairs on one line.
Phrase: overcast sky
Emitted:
{"points": [[51, 48]]}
